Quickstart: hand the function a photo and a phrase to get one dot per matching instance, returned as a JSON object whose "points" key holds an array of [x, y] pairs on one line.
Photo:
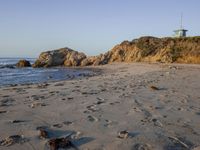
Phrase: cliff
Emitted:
{"points": [[144, 49]]}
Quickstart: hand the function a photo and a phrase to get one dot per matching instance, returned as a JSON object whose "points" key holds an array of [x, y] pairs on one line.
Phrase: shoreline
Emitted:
{"points": [[157, 104], [68, 74]]}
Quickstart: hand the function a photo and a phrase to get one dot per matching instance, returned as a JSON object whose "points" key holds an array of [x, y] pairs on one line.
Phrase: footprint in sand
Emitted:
{"points": [[180, 109], [43, 85], [141, 146], [38, 104], [3, 111], [36, 97], [5, 96], [70, 98], [110, 123], [157, 122], [59, 84], [7, 102], [92, 118], [13, 139], [93, 108], [67, 123], [100, 101], [58, 125], [17, 121], [113, 103], [136, 109]]}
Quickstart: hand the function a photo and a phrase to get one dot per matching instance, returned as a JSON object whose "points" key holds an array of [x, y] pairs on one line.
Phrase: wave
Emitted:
{"points": [[10, 66]]}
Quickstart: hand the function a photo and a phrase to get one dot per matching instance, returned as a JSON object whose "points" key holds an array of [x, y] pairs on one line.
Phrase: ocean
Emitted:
{"points": [[11, 75]]}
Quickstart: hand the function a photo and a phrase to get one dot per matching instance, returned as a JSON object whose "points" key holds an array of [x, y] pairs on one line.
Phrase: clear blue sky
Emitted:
{"points": [[28, 27]]}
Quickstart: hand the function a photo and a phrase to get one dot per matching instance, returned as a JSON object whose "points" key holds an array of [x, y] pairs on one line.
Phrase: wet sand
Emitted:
{"points": [[129, 106]]}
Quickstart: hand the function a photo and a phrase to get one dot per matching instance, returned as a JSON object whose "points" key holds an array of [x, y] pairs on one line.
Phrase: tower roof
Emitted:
{"points": [[180, 30]]}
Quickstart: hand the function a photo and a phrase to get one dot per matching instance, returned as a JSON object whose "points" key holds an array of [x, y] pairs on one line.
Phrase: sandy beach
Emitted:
{"points": [[132, 106]]}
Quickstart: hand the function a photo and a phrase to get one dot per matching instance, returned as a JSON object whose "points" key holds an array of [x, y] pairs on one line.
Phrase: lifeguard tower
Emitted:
{"points": [[181, 32]]}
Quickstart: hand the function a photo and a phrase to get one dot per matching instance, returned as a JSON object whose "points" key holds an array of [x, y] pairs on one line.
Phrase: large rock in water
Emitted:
{"points": [[23, 63], [60, 57], [145, 49]]}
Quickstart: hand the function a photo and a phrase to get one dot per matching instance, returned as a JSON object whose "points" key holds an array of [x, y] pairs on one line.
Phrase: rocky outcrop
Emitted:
{"points": [[94, 60], [23, 63], [74, 58], [145, 49], [152, 49], [60, 57]]}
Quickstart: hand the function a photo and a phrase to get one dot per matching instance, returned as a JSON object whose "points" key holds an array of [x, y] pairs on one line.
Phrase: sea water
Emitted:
{"points": [[11, 75]]}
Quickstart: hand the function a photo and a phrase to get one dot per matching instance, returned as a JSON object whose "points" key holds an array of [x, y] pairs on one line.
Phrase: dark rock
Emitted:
{"points": [[58, 143], [154, 87], [43, 133], [23, 63]]}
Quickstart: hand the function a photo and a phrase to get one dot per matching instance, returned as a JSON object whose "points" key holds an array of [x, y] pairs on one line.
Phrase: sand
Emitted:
{"points": [[156, 105]]}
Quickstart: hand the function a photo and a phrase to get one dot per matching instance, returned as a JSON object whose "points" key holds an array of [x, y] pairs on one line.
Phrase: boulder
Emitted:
{"points": [[60, 57], [52, 58], [23, 63]]}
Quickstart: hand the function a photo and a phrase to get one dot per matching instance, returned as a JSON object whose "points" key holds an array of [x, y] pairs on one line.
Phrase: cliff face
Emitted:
{"points": [[167, 50], [149, 49]]}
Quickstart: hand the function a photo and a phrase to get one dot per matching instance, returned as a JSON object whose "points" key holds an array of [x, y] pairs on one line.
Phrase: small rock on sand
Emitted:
{"points": [[154, 87], [43, 133], [60, 143], [123, 134]]}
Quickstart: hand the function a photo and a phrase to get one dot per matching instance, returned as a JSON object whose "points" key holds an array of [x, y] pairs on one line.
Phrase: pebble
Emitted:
{"points": [[154, 87]]}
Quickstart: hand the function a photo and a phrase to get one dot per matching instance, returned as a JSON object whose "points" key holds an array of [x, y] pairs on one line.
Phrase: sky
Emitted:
{"points": [[28, 27]]}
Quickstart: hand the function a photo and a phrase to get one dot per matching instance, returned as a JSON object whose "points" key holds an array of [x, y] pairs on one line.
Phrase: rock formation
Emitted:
{"points": [[146, 49], [60, 57], [151, 49], [23, 63]]}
